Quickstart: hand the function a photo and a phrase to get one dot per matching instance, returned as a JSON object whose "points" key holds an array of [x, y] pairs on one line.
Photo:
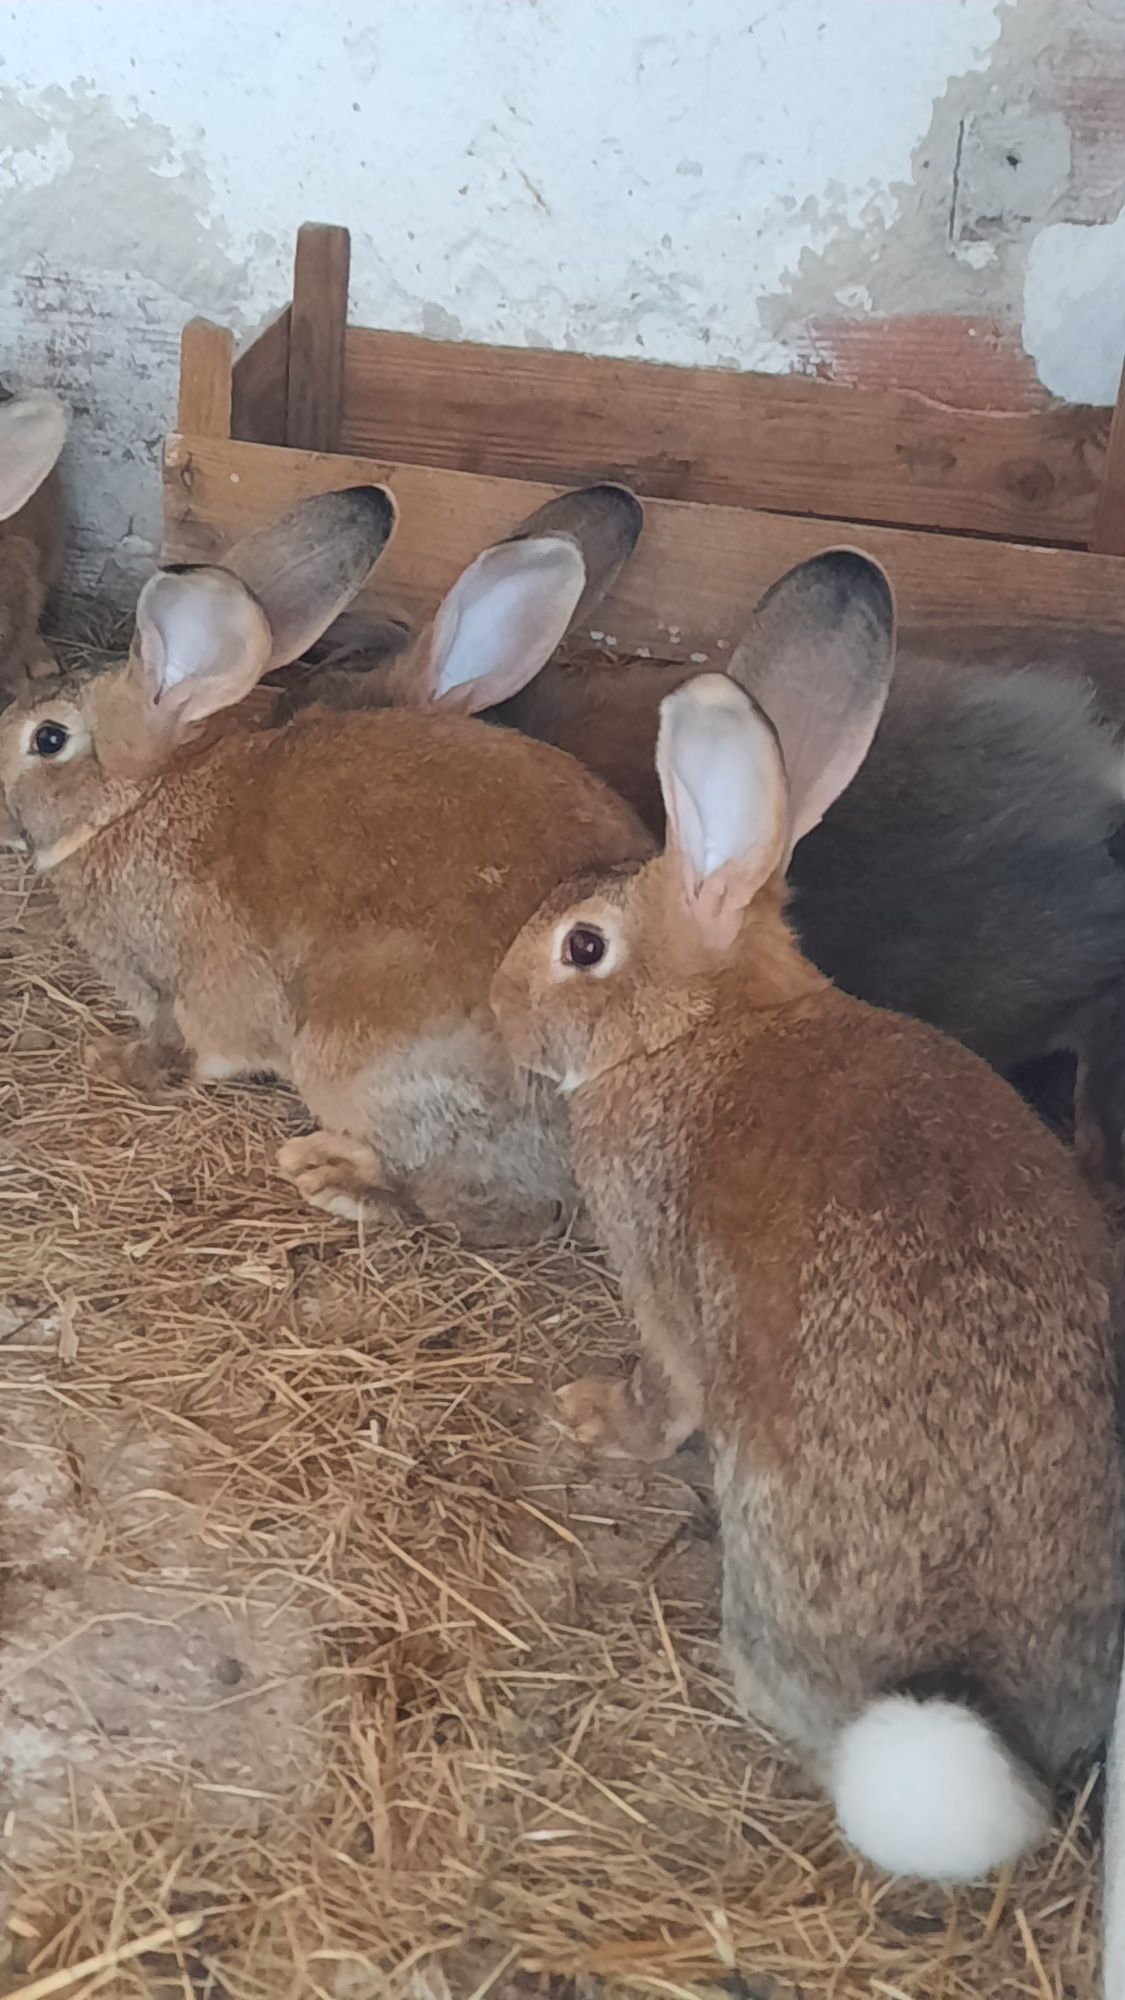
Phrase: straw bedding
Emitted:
{"points": [[327, 1667]]}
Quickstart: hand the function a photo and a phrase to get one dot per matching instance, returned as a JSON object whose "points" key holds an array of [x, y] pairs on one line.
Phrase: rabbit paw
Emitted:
{"points": [[335, 1172], [137, 1066], [599, 1411]]}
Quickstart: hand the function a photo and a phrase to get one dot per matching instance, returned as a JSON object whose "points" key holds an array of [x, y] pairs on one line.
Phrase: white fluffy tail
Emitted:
{"points": [[927, 1788]]}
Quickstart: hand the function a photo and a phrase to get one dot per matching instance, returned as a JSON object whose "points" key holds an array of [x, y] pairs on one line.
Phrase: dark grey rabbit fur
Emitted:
{"points": [[974, 875]]}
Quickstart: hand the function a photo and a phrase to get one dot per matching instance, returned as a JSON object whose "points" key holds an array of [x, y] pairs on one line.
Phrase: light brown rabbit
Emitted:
{"points": [[32, 434], [327, 900], [857, 1260]]}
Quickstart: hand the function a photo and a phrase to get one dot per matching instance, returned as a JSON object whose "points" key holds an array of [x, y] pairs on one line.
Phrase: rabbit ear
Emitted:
{"points": [[32, 434], [499, 624], [604, 524], [306, 569], [202, 641], [725, 798], [818, 658]]}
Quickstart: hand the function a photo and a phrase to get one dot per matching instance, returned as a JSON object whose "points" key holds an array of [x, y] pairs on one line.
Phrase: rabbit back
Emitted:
{"points": [[910, 1375], [366, 868]]}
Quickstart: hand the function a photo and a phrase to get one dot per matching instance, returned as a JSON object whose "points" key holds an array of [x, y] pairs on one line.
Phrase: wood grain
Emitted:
{"points": [[787, 443], [317, 325], [260, 388], [697, 572], [966, 361], [206, 364], [1109, 521]]}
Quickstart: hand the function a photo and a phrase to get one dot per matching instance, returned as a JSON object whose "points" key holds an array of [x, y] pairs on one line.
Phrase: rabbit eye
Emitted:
{"points": [[583, 947], [49, 739]]}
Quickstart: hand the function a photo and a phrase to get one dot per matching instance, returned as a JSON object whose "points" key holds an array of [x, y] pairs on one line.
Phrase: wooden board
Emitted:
{"points": [[317, 322], [696, 574], [1109, 522], [789, 444], [260, 387], [206, 375]]}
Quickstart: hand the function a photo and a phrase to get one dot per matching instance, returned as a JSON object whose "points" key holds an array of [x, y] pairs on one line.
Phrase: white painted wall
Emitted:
{"points": [[681, 179]]}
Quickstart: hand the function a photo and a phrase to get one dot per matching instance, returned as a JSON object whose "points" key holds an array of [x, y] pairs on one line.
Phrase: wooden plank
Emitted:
{"points": [[206, 363], [696, 574], [787, 443], [1109, 521], [965, 361], [260, 390], [317, 325]]}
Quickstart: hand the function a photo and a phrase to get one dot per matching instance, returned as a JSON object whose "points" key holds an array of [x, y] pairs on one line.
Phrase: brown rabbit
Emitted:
{"points": [[1009, 934], [862, 1265], [32, 433], [327, 900], [972, 875]]}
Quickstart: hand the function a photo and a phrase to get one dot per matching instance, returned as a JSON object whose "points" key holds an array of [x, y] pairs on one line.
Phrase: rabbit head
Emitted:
{"points": [[77, 755], [32, 434], [624, 961]]}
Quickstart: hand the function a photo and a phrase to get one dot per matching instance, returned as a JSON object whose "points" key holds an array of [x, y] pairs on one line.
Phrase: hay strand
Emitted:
{"points": [[110, 1960]]}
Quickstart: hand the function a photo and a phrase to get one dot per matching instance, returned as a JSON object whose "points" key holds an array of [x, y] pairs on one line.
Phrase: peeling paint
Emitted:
{"points": [[99, 189], [1076, 279], [874, 192], [1031, 139]]}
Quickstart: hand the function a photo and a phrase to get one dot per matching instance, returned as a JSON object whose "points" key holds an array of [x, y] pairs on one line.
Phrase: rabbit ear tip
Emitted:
{"points": [[374, 506]]}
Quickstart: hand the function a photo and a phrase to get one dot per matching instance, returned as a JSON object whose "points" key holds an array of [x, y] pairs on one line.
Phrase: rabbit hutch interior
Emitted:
{"points": [[343, 602]]}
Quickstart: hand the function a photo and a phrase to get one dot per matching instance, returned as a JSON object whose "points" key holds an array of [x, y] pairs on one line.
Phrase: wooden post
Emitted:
{"points": [[1108, 538], [317, 324], [206, 363]]}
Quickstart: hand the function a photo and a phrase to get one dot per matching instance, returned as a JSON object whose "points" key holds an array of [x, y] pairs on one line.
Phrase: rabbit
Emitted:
{"points": [[327, 900], [972, 876], [860, 1264], [32, 434]]}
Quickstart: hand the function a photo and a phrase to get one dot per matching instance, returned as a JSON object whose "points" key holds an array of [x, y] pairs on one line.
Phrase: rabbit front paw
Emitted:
{"points": [[335, 1172], [602, 1412]]}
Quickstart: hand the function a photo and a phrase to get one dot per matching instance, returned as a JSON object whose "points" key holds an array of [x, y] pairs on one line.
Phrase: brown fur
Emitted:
{"points": [[858, 1259], [23, 654], [31, 555]]}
